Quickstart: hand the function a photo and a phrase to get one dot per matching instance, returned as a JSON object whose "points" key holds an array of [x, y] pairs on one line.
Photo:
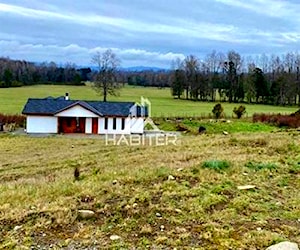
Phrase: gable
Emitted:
{"points": [[76, 111]]}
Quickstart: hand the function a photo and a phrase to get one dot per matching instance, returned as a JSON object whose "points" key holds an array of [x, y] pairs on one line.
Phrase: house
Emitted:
{"points": [[63, 115]]}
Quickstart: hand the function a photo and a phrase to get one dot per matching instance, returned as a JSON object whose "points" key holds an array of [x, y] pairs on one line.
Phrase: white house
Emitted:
{"points": [[62, 115]]}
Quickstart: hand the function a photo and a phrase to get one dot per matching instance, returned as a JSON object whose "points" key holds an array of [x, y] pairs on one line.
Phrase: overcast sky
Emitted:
{"points": [[145, 32]]}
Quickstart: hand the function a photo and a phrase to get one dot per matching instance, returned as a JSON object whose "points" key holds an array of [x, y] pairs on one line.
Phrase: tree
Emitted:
{"points": [[191, 67], [7, 77], [178, 83], [105, 78], [261, 84]]}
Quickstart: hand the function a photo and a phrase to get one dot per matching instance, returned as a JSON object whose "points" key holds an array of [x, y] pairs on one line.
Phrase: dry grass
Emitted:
{"points": [[133, 196]]}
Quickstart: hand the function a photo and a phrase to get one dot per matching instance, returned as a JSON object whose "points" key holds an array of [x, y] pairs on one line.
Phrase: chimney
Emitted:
{"points": [[67, 97]]}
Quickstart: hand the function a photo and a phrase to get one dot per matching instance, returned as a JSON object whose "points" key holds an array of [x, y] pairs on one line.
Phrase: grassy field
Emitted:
{"points": [[164, 197], [12, 100]]}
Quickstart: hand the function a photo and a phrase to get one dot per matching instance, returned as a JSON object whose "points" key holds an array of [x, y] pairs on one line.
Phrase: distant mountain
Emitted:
{"points": [[130, 69], [143, 68]]}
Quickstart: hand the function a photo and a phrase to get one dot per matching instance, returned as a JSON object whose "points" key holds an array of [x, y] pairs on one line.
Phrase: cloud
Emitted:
{"points": [[146, 32], [81, 55], [272, 8]]}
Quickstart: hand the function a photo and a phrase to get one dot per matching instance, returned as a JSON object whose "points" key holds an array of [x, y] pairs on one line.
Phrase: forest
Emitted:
{"points": [[17, 73]]}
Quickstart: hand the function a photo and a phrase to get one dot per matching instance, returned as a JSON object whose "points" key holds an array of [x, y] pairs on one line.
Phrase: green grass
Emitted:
{"points": [[213, 126], [216, 165], [12, 100], [260, 165], [133, 196]]}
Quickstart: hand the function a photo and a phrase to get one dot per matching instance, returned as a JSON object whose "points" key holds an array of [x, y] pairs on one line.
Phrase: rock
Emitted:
{"points": [[16, 228], [134, 205], [177, 210], [286, 245], [179, 169], [246, 187], [225, 133], [115, 237], [158, 215], [86, 214], [114, 182], [171, 178], [162, 228]]}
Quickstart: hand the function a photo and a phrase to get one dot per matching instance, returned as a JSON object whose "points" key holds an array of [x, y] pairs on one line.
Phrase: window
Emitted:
{"points": [[123, 123], [105, 123], [114, 123]]}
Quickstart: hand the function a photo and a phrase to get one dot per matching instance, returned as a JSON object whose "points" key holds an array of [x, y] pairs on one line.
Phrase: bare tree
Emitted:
{"points": [[105, 79], [191, 66]]}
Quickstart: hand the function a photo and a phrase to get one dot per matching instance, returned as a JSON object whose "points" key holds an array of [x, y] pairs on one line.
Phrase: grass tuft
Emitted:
{"points": [[260, 165], [216, 165]]}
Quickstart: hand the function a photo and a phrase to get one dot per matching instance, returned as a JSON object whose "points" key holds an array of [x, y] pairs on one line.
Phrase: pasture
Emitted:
{"points": [[12, 100], [175, 196]]}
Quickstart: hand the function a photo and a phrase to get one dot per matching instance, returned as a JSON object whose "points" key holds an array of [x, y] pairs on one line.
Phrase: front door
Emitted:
{"points": [[95, 125], [71, 125]]}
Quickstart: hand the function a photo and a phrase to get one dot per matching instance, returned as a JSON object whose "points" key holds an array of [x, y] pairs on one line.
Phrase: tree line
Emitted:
{"points": [[263, 79], [227, 77], [16, 73]]}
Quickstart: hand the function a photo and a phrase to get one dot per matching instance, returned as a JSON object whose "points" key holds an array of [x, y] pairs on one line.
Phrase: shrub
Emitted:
{"points": [[19, 120], [291, 121], [260, 165], [216, 165], [296, 113], [218, 110], [240, 111]]}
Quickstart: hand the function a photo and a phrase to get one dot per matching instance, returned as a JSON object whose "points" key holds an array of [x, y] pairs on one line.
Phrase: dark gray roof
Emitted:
{"points": [[52, 106]]}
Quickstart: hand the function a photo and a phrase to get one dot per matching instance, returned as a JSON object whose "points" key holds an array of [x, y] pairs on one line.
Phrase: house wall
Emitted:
{"points": [[88, 125], [41, 124], [110, 130], [137, 125], [76, 111], [133, 111]]}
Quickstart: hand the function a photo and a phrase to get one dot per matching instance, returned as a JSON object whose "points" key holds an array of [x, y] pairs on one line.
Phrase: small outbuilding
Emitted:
{"points": [[63, 115]]}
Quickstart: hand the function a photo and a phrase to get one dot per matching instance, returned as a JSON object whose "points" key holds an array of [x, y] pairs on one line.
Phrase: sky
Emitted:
{"points": [[145, 32]]}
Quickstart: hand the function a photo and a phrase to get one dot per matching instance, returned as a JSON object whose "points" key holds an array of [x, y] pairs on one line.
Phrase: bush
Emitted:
{"points": [[18, 120], [218, 111], [290, 121], [240, 111], [216, 165], [297, 113]]}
